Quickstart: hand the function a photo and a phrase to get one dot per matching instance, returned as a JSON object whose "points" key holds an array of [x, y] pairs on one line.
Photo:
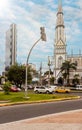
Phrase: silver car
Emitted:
{"points": [[43, 89]]}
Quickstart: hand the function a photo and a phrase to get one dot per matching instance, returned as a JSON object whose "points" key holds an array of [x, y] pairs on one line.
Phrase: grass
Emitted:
{"points": [[15, 97]]}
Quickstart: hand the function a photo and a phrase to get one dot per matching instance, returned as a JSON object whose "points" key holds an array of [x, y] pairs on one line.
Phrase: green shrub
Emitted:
{"points": [[6, 87]]}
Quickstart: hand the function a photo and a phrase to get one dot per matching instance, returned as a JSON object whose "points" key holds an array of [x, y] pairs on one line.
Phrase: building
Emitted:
{"points": [[11, 46], [60, 53]]}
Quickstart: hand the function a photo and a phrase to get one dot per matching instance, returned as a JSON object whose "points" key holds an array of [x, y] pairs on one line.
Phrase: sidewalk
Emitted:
{"points": [[71, 120]]}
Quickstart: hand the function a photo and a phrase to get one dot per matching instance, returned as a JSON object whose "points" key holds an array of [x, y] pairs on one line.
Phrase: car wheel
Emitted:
{"points": [[67, 92], [47, 92], [36, 92], [56, 91], [53, 92]]}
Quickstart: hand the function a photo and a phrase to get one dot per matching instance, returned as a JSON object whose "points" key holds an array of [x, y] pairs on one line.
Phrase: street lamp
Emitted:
{"points": [[49, 64], [43, 34], [41, 74], [43, 38]]}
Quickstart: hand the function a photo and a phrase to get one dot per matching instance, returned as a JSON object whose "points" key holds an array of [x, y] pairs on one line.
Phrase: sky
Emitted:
{"points": [[29, 16]]}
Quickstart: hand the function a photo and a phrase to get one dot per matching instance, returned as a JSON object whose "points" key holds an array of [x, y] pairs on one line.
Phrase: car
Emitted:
{"points": [[1, 89], [78, 87], [15, 89], [30, 87], [43, 89], [53, 86], [62, 90]]}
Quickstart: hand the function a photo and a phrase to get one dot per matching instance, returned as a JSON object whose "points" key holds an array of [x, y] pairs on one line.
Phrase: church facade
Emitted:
{"points": [[60, 53]]}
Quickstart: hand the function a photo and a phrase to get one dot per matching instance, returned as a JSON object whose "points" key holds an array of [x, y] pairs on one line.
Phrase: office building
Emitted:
{"points": [[11, 46]]}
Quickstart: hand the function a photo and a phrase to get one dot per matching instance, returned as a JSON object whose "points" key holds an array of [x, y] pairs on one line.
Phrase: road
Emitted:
{"points": [[19, 112]]}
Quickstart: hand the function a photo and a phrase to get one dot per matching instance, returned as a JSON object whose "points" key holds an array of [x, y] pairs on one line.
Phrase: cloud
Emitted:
{"points": [[30, 15]]}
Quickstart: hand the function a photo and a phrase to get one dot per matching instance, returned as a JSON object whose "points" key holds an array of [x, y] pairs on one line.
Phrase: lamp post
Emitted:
{"points": [[49, 70], [43, 38], [41, 74]]}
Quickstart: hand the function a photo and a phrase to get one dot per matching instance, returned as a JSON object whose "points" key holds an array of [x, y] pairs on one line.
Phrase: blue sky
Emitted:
{"points": [[30, 15]]}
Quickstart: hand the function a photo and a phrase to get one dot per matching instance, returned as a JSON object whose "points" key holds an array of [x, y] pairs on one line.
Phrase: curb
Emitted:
{"points": [[40, 101]]}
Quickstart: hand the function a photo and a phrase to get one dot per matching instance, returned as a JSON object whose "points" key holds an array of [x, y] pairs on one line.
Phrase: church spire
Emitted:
{"points": [[60, 40], [60, 2], [60, 20], [60, 24], [60, 6]]}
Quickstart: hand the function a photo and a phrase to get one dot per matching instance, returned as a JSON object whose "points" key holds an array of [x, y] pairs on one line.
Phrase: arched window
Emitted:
{"points": [[60, 61]]}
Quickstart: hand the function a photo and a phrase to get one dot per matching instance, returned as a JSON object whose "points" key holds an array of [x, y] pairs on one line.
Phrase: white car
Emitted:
{"points": [[43, 89], [1, 89], [53, 86], [78, 87]]}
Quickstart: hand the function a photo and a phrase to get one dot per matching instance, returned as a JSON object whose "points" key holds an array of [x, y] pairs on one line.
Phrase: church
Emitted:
{"points": [[60, 53]]}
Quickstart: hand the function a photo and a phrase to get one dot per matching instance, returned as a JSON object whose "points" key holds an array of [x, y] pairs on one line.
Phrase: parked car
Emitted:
{"points": [[1, 89], [53, 87], [30, 87], [43, 89], [62, 90], [15, 89], [78, 87]]}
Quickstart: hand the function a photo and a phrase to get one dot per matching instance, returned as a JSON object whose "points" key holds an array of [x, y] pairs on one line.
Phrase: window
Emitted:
{"points": [[60, 61]]}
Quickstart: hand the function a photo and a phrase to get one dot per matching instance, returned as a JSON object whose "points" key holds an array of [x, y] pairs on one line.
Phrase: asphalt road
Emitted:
{"points": [[19, 112]]}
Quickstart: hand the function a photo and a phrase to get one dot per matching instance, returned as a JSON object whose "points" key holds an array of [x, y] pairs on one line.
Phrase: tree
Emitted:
{"points": [[49, 76], [16, 74], [47, 72], [52, 80], [6, 87], [75, 79], [66, 67]]}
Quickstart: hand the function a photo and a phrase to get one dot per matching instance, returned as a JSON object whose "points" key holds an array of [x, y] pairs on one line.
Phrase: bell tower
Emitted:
{"points": [[60, 41]]}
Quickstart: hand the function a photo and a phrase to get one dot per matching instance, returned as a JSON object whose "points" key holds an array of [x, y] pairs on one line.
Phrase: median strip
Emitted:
{"points": [[3, 103]]}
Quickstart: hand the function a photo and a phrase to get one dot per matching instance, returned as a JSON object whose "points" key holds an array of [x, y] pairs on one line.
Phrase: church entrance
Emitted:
{"points": [[60, 81]]}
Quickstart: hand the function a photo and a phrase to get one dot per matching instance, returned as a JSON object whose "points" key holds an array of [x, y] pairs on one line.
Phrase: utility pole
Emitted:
{"points": [[49, 64]]}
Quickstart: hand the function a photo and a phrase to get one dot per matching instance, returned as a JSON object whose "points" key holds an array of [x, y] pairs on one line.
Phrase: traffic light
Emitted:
{"points": [[43, 35]]}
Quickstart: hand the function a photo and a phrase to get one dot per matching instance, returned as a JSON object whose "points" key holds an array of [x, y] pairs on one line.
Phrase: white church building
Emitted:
{"points": [[60, 53]]}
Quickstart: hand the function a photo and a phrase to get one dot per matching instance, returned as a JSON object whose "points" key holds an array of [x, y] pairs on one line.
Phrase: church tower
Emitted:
{"points": [[60, 41]]}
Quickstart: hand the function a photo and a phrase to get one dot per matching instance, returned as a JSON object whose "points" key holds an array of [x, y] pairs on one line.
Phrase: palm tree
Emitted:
{"points": [[75, 79], [65, 69]]}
